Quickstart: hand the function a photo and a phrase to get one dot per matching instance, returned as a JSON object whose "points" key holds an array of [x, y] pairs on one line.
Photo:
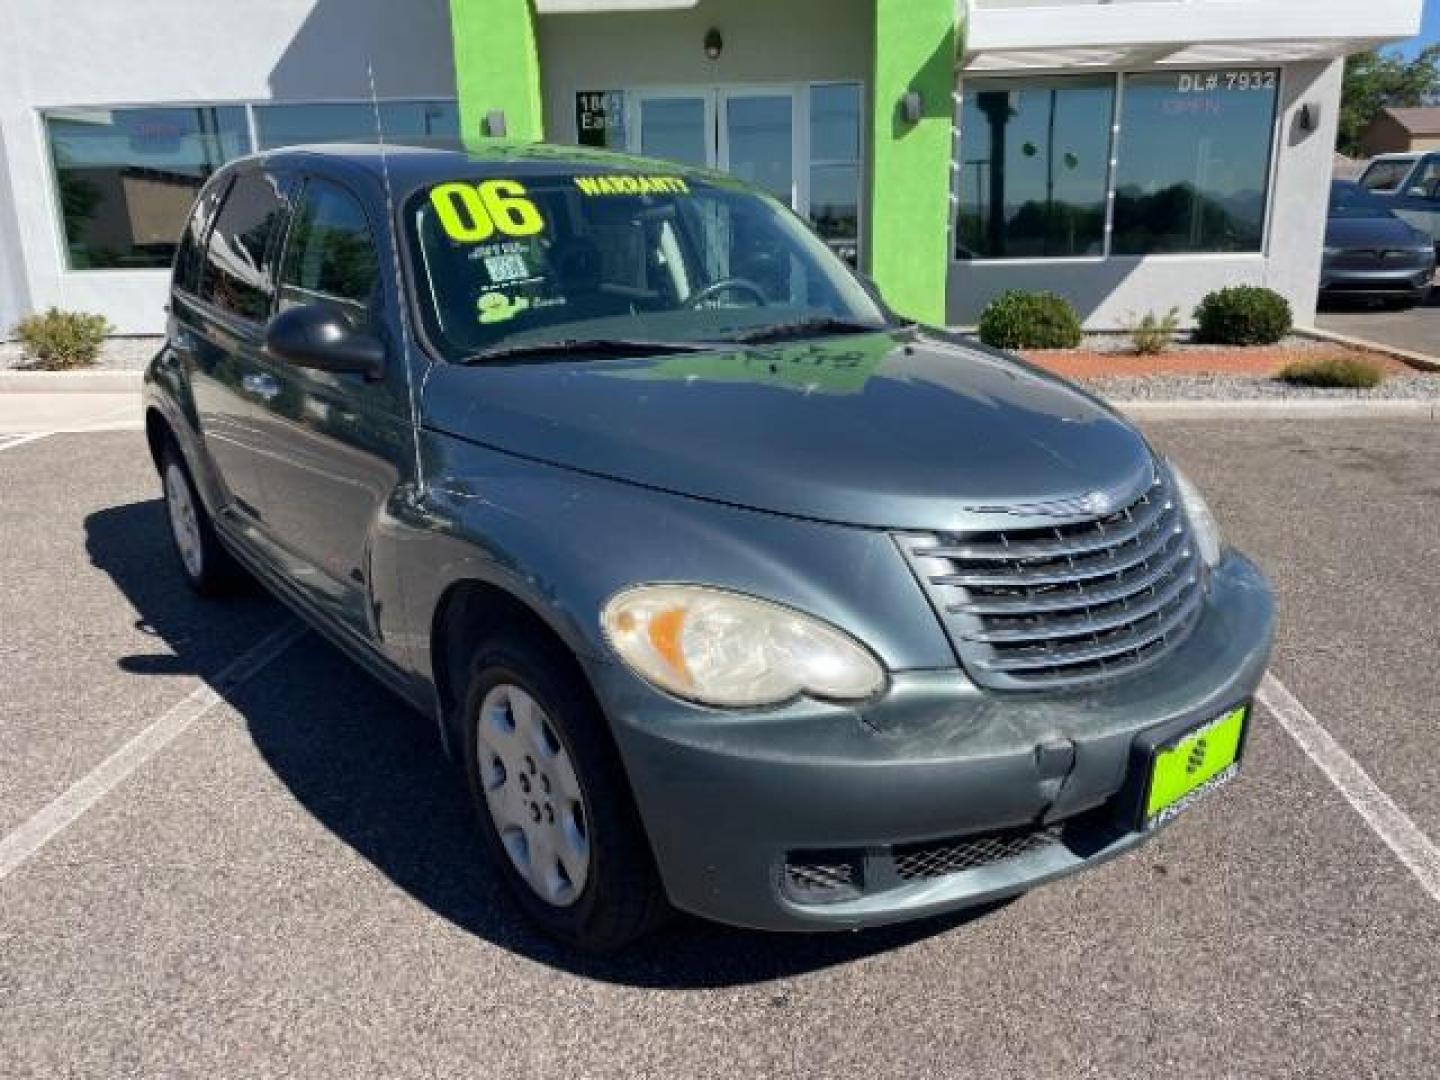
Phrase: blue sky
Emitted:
{"points": [[1429, 29]]}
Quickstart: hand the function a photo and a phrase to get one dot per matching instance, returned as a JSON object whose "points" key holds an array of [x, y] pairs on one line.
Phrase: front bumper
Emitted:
{"points": [[1412, 282], [733, 802]]}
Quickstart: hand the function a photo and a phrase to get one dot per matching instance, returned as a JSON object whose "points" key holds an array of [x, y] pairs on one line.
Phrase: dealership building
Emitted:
{"points": [[1131, 155]]}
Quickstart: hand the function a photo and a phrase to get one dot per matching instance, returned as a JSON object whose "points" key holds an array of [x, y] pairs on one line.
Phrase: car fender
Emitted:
{"points": [[563, 542]]}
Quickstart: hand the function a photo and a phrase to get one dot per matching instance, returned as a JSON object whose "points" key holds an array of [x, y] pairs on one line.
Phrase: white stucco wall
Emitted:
{"points": [[142, 52], [1110, 292], [765, 41]]}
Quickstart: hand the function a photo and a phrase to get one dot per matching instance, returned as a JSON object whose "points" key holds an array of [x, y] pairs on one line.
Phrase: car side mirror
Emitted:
{"points": [[319, 337]]}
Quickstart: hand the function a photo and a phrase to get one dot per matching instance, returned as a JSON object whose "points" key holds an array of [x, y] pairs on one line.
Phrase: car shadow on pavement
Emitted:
{"points": [[371, 770]]}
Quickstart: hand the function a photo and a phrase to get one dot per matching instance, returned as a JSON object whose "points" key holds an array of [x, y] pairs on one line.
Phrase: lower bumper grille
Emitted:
{"points": [[828, 877], [916, 862]]}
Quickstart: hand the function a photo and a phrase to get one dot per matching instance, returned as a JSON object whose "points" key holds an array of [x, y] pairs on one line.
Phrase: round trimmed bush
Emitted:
{"points": [[1242, 315], [1029, 320]]}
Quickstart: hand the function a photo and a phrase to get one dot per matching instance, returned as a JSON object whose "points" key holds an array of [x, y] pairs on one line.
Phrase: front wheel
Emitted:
{"points": [[554, 807]]}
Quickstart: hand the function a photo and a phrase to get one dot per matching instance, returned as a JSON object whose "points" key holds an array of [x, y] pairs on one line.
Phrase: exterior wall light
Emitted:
{"points": [[714, 44], [495, 123], [912, 107], [1309, 116]]}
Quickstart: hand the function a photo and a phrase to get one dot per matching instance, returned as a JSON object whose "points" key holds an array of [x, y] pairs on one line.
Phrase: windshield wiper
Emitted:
{"points": [[804, 328], [565, 348]]}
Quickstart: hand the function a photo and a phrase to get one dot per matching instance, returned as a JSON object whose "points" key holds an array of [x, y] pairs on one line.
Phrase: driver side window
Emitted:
{"points": [[331, 258], [1427, 178]]}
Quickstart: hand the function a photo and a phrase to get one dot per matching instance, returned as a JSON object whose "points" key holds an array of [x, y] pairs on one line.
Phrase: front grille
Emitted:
{"points": [[819, 878], [1081, 600], [915, 862]]}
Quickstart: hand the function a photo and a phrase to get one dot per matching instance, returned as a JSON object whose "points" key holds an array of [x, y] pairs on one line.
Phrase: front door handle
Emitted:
{"points": [[264, 387]]}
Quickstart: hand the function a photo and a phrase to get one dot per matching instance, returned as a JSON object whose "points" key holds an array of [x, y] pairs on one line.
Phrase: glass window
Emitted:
{"points": [[238, 275], [405, 122], [1194, 161], [662, 258], [759, 131], [127, 177], [1426, 181], [191, 256], [1034, 167], [674, 129], [1386, 175], [835, 110], [330, 257]]}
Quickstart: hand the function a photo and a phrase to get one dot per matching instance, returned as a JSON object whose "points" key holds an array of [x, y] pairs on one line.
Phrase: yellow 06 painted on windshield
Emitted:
{"points": [[471, 213]]}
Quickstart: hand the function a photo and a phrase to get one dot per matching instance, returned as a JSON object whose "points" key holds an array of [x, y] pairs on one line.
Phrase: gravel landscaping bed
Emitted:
{"points": [[1239, 387], [117, 354], [1121, 343]]}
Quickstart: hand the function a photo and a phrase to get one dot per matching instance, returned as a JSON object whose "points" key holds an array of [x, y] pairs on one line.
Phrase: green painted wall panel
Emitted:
{"points": [[915, 43], [497, 66]]}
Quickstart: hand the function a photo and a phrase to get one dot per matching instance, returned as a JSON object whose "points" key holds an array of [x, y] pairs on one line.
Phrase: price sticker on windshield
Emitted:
{"points": [[473, 213]]}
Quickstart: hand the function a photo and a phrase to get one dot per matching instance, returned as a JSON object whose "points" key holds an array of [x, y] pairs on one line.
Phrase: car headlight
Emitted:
{"points": [[727, 649], [1202, 521]]}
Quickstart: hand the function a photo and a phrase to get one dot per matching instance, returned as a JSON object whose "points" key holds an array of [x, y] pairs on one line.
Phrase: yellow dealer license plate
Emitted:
{"points": [[1191, 764]]}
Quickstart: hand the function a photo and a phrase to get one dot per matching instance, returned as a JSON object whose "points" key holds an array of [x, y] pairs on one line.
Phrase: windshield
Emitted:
{"points": [[1353, 201], [590, 257]]}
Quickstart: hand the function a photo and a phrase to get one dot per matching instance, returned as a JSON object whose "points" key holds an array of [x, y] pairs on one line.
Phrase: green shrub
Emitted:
{"points": [[1349, 372], [1026, 320], [56, 340], [1154, 333], [1242, 315]]}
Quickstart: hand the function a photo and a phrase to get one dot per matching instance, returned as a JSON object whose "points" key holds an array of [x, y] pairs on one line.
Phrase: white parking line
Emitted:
{"points": [[1411, 846], [20, 440], [55, 817]]}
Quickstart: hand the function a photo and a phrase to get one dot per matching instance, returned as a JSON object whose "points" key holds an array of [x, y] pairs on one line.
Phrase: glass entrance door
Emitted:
{"points": [[801, 143], [756, 139], [678, 127]]}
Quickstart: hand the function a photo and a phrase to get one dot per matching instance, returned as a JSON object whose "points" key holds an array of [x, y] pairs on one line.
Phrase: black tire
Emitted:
{"points": [[208, 568], [622, 899]]}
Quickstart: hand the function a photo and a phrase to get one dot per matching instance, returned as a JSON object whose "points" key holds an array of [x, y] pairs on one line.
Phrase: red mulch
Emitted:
{"points": [[1260, 361]]}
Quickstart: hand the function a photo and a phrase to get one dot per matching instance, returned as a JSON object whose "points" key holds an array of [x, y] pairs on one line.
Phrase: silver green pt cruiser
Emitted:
{"points": [[726, 589]]}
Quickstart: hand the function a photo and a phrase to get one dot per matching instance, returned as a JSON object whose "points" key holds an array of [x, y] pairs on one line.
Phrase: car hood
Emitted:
{"points": [[890, 430], [1364, 233]]}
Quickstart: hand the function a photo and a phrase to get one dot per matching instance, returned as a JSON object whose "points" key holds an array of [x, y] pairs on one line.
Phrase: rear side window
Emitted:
{"points": [[330, 258], [191, 253], [237, 275]]}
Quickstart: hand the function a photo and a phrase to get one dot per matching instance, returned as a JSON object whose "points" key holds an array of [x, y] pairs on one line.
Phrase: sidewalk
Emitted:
{"points": [[26, 413]]}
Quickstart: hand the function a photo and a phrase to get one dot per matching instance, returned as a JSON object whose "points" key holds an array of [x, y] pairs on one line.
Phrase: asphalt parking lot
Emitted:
{"points": [[290, 886], [1416, 329]]}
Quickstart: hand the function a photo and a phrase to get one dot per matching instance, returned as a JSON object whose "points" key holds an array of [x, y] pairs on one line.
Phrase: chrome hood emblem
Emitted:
{"points": [[1097, 503]]}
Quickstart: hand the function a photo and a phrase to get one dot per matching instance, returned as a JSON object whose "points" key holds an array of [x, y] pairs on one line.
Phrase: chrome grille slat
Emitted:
{"points": [[1092, 567], [1051, 630], [1085, 654], [1095, 538], [1084, 595], [1065, 604]]}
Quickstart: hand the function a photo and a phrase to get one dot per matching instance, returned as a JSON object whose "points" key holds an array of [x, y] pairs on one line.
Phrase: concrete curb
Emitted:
{"points": [[1414, 359], [1281, 409], [69, 382]]}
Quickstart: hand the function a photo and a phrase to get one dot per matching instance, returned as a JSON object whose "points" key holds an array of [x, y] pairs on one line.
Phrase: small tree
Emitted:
{"points": [[1378, 80]]}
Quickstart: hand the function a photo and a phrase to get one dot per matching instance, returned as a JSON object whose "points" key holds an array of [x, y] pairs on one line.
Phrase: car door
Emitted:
{"points": [[338, 442], [220, 328], [1419, 201]]}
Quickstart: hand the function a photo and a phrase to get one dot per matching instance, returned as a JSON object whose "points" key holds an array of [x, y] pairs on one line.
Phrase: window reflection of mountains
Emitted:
{"points": [[1176, 218]]}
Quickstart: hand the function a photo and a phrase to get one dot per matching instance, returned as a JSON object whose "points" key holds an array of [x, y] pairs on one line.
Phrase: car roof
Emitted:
{"points": [[409, 167]]}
